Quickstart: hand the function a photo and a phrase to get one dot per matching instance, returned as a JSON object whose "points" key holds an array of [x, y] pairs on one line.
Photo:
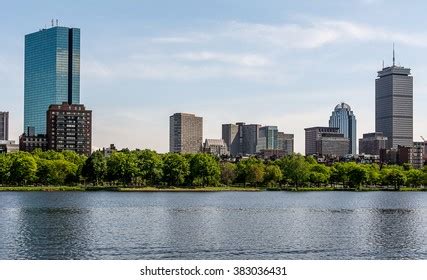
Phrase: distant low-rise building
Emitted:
{"points": [[372, 143], [333, 144], [272, 154], [8, 146], [418, 155], [29, 141], [403, 155], [325, 141], [109, 150], [216, 147]]}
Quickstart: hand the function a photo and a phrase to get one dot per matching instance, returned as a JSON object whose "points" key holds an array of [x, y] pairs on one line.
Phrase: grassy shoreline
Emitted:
{"points": [[195, 189]]}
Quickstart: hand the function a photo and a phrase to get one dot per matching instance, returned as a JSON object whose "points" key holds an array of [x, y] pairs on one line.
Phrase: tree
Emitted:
{"points": [[204, 170], [78, 160], [228, 173], [319, 174], [339, 174], [250, 171], [121, 167], [273, 175], [175, 169], [150, 166], [5, 164], [295, 169], [374, 177], [23, 168], [55, 172], [414, 177], [393, 176], [357, 174], [95, 168]]}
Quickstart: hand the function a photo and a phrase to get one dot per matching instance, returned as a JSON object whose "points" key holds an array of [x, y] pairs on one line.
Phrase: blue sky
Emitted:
{"points": [[284, 63]]}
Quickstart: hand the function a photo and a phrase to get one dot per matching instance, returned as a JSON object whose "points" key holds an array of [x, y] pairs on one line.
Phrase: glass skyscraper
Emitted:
{"points": [[344, 119], [52, 73]]}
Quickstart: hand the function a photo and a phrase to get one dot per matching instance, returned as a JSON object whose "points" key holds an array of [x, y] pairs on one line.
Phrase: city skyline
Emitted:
{"points": [[203, 75]]}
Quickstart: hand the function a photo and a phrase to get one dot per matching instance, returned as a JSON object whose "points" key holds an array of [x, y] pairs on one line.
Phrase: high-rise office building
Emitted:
{"points": [[250, 135], [344, 118], [185, 133], [267, 139], [231, 136], [285, 142], [4, 126], [394, 105], [52, 73], [69, 127], [241, 138]]}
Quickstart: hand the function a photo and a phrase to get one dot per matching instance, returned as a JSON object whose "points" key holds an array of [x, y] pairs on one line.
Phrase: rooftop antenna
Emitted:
{"points": [[383, 63], [394, 57]]}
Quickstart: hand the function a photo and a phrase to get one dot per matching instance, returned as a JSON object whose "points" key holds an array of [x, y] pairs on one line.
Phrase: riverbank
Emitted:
{"points": [[125, 189], [196, 189]]}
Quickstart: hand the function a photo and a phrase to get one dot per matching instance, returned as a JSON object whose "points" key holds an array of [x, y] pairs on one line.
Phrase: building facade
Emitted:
{"points": [[216, 147], [241, 138], [185, 133], [372, 143], [250, 135], [404, 155], [285, 142], [52, 73], [69, 127], [394, 105], [267, 138], [344, 118], [232, 136], [8, 146], [28, 141], [312, 135], [332, 144], [4, 126]]}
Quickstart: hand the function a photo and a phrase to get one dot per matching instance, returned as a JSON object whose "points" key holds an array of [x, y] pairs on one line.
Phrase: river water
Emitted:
{"points": [[223, 225]]}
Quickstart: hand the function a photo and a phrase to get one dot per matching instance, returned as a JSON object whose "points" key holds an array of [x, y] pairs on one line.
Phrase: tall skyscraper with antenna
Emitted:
{"points": [[394, 104]]}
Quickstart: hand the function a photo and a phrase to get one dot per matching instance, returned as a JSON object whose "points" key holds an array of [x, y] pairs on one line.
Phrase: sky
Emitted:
{"points": [[272, 62]]}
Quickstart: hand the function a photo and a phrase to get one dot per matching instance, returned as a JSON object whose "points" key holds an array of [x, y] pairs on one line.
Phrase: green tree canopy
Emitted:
{"points": [[95, 168], [204, 170], [23, 168], [175, 169]]}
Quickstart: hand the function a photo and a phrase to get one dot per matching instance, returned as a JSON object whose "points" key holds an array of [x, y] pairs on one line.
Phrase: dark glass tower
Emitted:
{"points": [[52, 73], [394, 105]]}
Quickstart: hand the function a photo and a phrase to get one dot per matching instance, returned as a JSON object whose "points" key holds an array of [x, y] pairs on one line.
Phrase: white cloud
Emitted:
{"points": [[318, 33], [251, 60]]}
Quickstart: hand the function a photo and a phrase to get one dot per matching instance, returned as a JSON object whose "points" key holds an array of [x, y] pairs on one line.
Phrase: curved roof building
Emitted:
{"points": [[344, 119]]}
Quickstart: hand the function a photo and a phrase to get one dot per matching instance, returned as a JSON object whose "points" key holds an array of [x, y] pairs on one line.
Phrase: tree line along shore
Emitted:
{"points": [[146, 170]]}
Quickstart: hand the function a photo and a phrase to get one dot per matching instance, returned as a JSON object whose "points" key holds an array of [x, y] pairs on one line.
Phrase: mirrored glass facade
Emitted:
{"points": [[52, 73]]}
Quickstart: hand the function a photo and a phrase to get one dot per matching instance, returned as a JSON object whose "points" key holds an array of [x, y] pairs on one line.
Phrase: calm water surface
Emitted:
{"points": [[233, 225]]}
